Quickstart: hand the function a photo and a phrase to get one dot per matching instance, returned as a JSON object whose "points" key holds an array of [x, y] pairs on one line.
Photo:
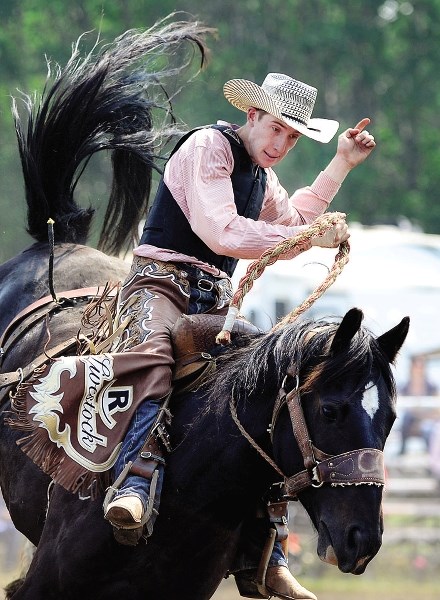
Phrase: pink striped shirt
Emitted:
{"points": [[198, 177]]}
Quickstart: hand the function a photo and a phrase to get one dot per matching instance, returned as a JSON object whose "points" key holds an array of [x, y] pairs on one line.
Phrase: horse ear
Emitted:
{"points": [[391, 341], [348, 327]]}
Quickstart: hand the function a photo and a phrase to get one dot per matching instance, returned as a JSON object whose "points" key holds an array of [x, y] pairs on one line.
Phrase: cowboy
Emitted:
{"points": [[219, 200]]}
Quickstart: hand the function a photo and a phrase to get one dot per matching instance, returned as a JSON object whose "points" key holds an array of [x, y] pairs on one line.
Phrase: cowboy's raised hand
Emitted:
{"points": [[356, 144]]}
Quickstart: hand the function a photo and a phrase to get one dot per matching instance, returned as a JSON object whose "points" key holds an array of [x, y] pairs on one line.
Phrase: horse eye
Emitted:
{"points": [[329, 412]]}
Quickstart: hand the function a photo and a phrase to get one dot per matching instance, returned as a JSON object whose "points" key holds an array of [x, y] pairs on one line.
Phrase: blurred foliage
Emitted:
{"points": [[376, 59]]}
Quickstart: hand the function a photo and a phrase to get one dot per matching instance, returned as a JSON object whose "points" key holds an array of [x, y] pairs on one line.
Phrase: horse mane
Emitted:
{"points": [[103, 101], [265, 360]]}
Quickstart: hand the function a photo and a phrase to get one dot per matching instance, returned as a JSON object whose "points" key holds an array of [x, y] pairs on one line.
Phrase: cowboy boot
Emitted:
{"points": [[280, 582], [125, 514]]}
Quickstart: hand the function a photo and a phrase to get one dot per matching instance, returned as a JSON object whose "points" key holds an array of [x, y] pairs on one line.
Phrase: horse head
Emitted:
{"points": [[341, 378], [326, 393]]}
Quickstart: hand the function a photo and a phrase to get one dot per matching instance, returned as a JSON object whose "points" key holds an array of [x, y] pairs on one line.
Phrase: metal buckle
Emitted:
{"points": [[316, 481], [205, 285]]}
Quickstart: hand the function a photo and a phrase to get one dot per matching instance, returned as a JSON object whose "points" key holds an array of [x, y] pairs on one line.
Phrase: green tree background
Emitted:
{"points": [[377, 58]]}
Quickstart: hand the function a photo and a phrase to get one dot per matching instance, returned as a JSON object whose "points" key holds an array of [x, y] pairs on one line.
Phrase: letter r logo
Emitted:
{"points": [[119, 399], [114, 399]]}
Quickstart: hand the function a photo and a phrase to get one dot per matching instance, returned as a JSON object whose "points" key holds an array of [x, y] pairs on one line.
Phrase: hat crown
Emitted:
{"points": [[294, 99]]}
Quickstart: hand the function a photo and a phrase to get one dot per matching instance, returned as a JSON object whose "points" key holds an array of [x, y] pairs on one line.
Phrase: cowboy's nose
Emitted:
{"points": [[279, 145]]}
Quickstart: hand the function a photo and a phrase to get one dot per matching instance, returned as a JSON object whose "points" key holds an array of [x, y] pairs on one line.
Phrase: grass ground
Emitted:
{"points": [[392, 578]]}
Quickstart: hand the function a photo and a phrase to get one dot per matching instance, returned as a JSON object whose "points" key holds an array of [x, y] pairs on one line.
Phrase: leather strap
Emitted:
{"points": [[365, 465], [15, 377], [152, 452], [264, 563], [278, 517], [35, 311], [296, 483], [148, 459], [300, 428]]}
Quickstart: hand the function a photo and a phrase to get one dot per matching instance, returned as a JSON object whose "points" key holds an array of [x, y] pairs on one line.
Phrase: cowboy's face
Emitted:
{"points": [[269, 139]]}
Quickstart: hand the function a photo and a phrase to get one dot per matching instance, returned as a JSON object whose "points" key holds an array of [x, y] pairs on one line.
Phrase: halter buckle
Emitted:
{"points": [[283, 383], [316, 481]]}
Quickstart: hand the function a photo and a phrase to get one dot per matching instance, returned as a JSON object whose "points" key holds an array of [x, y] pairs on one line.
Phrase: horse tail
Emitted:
{"points": [[103, 101]]}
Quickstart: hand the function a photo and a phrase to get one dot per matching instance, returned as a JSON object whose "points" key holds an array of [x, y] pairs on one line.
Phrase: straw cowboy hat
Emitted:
{"points": [[285, 98]]}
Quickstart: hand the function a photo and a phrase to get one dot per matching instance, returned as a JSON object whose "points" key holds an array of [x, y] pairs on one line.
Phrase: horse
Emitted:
{"points": [[309, 405]]}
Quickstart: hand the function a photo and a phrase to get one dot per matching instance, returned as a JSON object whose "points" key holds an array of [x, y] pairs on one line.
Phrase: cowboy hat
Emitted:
{"points": [[285, 98]]}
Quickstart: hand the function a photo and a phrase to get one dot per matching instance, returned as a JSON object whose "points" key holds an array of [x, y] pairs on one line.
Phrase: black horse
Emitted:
{"points": [[337, 373]]}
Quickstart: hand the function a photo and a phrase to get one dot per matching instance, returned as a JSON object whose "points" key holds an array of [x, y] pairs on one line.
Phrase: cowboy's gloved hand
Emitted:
{"points": [[356, 144], [333, 237]]}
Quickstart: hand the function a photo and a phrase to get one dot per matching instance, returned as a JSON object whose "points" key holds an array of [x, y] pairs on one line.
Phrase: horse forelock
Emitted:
{"points": [[362, 362]]}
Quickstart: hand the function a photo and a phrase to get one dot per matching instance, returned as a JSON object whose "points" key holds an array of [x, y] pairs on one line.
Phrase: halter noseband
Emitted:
{"points": [[357, 467]]}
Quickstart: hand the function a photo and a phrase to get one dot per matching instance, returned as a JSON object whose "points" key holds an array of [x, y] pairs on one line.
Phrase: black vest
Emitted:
{"points": [[167, 226]]}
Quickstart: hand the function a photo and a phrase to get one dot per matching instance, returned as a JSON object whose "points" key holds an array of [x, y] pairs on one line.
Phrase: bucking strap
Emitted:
{"points": [[7, 379], [38, 310]]}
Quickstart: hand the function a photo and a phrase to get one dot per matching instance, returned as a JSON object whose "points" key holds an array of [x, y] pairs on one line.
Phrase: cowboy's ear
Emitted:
{"points": [[252, 114]]}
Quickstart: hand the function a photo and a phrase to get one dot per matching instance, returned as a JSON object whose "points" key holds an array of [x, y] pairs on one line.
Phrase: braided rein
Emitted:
{"points": [[318, 228]]}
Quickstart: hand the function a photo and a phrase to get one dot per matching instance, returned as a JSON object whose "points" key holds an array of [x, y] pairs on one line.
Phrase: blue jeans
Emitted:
{"points": [[133, 485]]}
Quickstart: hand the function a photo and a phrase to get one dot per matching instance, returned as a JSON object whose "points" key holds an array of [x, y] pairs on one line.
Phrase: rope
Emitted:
{"points": [[341, 259], [252, 442], [270, 256]]}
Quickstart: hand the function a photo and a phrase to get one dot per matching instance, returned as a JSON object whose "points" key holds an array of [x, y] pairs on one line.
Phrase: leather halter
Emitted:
{"points": [[357, 467]]}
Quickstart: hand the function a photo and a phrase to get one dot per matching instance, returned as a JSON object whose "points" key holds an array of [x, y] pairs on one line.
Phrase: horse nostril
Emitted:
{"points": [[356, 540]]}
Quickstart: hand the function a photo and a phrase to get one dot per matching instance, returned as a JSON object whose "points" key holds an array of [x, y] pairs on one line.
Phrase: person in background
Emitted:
{"points": [[219, 200]]}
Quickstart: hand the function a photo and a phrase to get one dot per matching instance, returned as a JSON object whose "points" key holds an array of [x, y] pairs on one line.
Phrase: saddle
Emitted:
{"points": [[194, 346]]}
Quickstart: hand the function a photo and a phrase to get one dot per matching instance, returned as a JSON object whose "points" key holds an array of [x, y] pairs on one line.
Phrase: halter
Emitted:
{"points": [[357, 467]]}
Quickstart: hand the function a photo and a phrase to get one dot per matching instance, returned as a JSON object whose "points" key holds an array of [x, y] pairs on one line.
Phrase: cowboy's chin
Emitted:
{"points": [[268, 161]]}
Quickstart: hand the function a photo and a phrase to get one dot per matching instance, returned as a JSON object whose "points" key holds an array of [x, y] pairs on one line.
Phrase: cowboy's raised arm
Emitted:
{"points": [[354, 146]]}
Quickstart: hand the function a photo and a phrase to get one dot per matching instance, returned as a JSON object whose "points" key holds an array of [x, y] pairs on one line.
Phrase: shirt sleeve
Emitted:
{"points": [[199, 177]]}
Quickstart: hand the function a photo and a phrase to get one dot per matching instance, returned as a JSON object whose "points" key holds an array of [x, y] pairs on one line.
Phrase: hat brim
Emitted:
{"points": [[244, 94]]}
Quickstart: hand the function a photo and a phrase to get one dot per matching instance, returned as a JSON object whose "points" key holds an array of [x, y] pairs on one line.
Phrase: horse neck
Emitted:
{"points": [[213, 452]]}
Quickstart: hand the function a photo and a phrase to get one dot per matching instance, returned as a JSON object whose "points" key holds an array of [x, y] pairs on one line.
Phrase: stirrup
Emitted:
{"points": [[246, 582], [251, 583], [264, 563], [149, 509]]}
